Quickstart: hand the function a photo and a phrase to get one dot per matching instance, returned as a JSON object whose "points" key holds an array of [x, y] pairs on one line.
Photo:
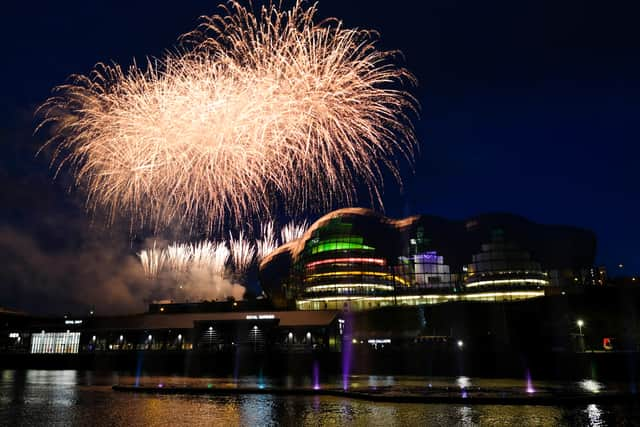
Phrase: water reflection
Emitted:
{"points": [[464, 414], [85, 398], [594, 413]]}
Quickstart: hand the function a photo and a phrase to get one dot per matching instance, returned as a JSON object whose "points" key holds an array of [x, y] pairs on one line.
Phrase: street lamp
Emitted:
{"points": [[460, 344], [580, 324]]}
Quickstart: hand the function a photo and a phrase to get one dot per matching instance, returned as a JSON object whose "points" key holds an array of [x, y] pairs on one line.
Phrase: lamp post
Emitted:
{"points": [[580, 324]]}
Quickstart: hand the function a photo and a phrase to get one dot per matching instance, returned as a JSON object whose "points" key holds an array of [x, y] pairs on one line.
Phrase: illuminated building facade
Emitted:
{"points": [[503, 265], [356, 259]]}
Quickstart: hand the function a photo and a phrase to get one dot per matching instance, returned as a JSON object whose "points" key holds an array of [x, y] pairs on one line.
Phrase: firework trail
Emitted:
{"points": [[199, 269], [178, 257], [152, 260], [267, 242], [221, 256], [254, 106], [243, 252], [202, 254], [293, 231]]}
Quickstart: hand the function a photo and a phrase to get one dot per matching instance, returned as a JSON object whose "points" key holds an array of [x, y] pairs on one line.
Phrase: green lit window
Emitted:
{"points": [[342, 244]]}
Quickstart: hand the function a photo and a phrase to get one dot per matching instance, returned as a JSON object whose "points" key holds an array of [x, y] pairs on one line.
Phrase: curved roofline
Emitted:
{"points": [[296, 246]]}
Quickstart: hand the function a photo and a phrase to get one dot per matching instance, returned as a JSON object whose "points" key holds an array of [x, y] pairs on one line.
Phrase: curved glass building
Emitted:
{"points": [[356, 259]]}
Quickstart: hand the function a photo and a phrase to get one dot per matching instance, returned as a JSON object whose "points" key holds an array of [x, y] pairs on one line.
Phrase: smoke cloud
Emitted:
{"points": [[97, 273]]}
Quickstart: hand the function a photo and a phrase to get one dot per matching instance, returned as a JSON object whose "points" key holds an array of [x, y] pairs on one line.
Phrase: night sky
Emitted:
{"points": [[528, 107]]}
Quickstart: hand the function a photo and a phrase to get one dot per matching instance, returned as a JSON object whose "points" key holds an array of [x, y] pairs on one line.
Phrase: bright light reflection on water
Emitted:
{"points": [[594, 413], [83, 398]]}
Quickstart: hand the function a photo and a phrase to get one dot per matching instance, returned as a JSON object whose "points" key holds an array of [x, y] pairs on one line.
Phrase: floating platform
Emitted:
{"points": [[400, 395]]}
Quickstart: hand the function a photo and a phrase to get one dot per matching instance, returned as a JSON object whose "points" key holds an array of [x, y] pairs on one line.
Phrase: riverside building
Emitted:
{"points": [[356, 259]]}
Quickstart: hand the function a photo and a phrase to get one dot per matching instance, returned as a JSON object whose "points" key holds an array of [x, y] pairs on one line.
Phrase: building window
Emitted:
{"points": [[55, 342]]}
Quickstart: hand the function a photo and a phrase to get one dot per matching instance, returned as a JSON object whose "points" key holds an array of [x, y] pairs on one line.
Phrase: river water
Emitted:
{"points": [[68, 398]]}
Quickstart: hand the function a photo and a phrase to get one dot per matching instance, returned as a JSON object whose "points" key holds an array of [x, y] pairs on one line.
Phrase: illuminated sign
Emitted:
{"points": [[73, 322], [260, 316], [379, 341], [14, 335]]}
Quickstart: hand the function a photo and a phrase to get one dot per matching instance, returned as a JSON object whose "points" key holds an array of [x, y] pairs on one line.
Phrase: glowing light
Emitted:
{"points": [[463, 382], [421, 299], [357, 273], [590, 386], [260, 316], [507, 282], [530, 388], [460, 344], [252, 106], [340, 246], [378, 261], [520, 294], [379, 341], [344, 286]]}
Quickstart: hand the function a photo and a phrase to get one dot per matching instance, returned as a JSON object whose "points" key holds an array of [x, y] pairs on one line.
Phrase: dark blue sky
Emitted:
{"points": [[528, 107]]}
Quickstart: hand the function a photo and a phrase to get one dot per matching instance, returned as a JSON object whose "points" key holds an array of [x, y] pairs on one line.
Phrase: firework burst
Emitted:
{"points": [[267, 242], [178, 257], [221, 256], [243, 252], [152, 260], [254, 106], [293, 230]]}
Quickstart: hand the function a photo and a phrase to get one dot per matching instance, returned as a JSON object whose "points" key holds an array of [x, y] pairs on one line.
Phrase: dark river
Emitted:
{"points": [[63, 398]]}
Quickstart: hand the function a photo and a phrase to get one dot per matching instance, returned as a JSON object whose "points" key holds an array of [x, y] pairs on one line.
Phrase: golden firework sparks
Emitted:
{"points": [[255, 106]]}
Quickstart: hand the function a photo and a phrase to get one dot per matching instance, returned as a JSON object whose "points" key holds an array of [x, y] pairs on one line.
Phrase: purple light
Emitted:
{"points": [[316, 375], [530, 388], [429, 256], [160, 385], [346, 351]]}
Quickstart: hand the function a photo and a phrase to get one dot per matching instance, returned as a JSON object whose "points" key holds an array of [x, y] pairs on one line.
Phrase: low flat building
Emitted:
{"points": [[258, 331]]}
